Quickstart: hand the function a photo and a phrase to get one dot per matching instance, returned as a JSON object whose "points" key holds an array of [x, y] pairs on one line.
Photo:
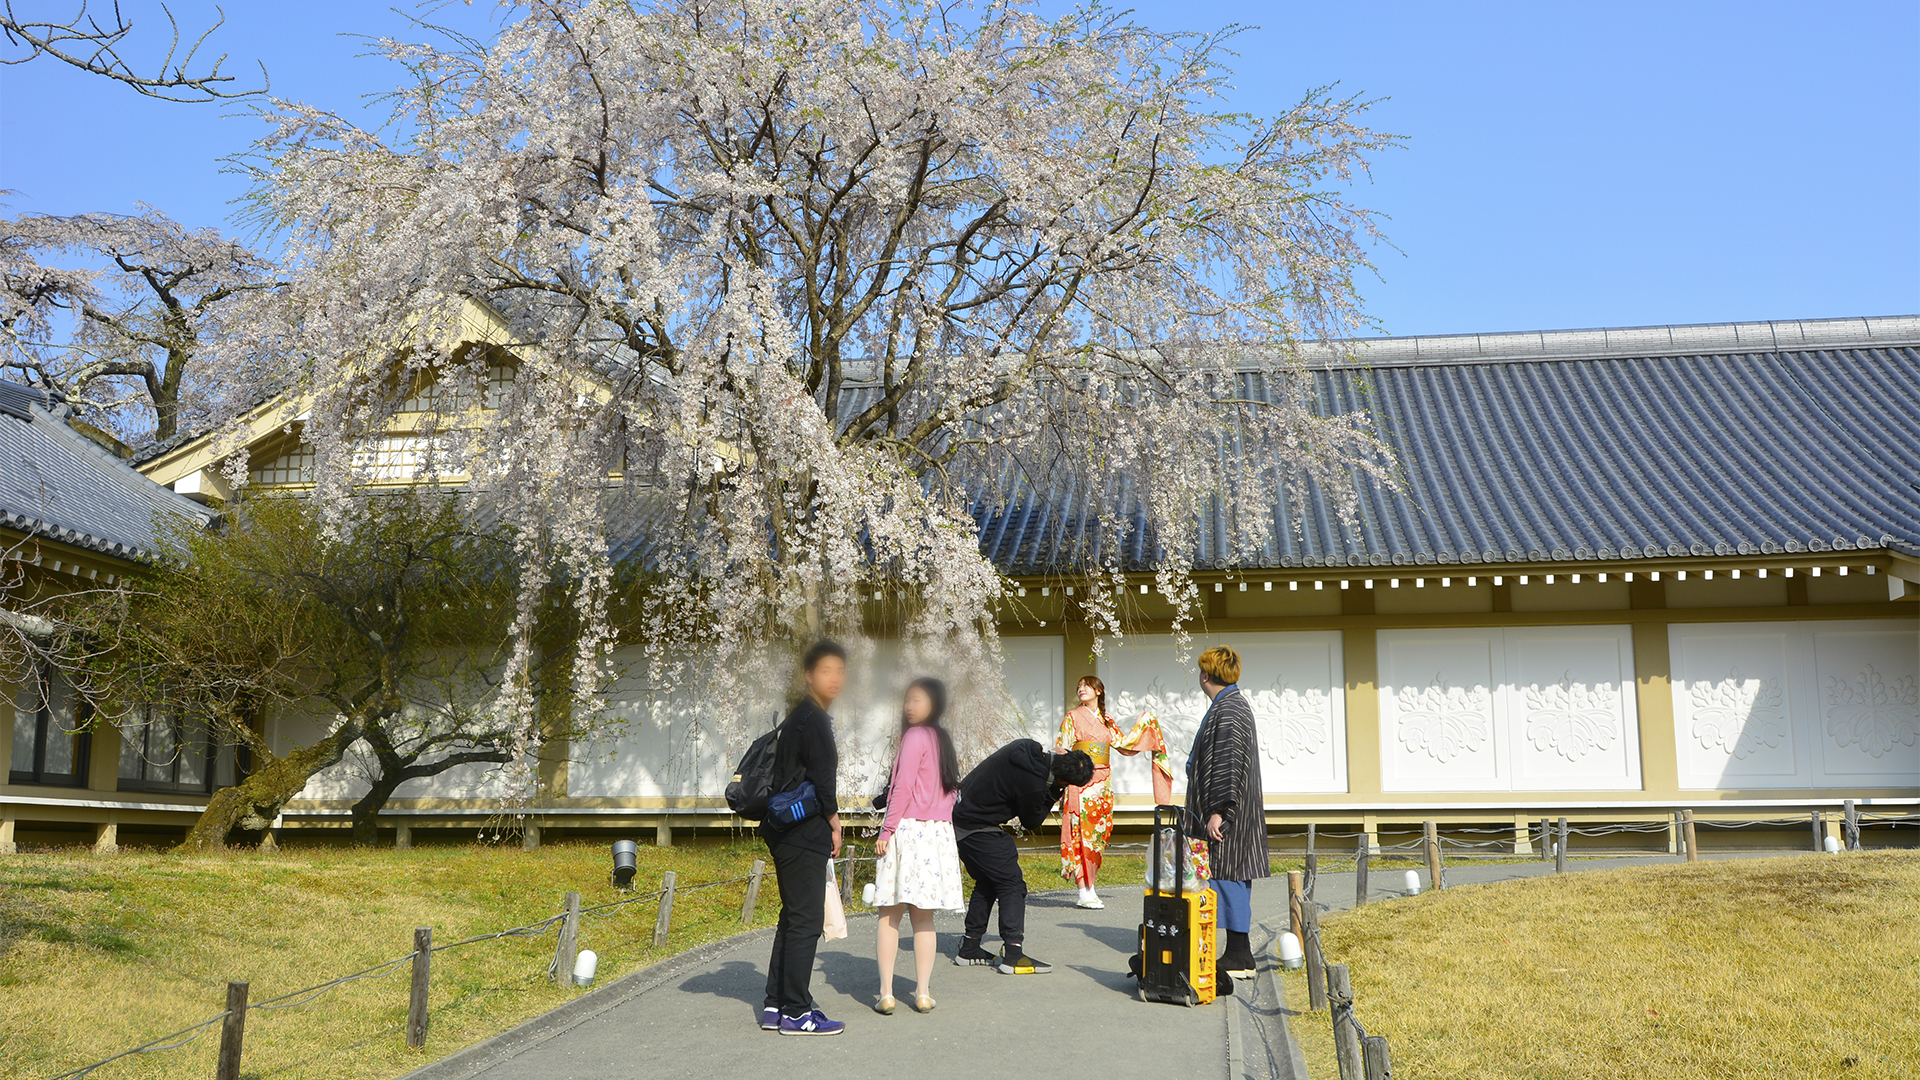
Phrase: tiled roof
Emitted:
{"points": [[57, 483], [1562, 446]]}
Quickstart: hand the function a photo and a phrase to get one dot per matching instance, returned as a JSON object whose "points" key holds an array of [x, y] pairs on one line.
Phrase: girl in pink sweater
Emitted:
{"points": [[919, 865]]}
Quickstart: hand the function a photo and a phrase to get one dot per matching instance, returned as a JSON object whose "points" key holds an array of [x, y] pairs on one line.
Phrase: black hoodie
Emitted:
{"points": [[1014, 781]]}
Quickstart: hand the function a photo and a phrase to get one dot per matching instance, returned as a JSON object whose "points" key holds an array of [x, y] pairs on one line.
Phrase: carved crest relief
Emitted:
{"points": [[1738, 715], [1873, 712], [1572, 719], [1292, 723], [1444, 722]]}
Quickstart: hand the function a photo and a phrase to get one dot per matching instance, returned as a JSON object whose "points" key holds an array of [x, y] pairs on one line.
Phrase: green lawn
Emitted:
{"points": [[1803, 966]]}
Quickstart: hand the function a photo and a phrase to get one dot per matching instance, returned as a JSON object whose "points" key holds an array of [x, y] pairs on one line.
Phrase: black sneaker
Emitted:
{"points": [[1021, 964], [972, 955]]}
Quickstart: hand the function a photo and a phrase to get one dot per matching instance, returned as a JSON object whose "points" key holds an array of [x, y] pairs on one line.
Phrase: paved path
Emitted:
{"points": [[696, 1017]]}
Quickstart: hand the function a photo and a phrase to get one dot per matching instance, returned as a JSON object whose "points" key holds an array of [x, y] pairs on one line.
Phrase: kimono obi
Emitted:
{"points": [[1095, 750]]}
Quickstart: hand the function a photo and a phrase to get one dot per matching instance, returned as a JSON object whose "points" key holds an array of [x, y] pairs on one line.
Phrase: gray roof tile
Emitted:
{"points": [[56, 482]]}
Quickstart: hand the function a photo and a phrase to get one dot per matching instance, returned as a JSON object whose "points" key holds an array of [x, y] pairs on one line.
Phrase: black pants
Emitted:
{"points": [[802, 875], [994, 862]]}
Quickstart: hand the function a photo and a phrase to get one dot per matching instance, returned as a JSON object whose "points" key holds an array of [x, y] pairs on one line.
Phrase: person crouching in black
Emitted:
{"points": [[1019, 780]]}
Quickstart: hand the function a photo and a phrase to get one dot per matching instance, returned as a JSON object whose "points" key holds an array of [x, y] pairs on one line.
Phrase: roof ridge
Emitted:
{"points": [[1674, 339]]}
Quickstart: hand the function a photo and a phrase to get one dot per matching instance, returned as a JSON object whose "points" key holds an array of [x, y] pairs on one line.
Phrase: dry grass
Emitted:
{"points": [[98, 955], [1803, 966], [101, 954]]}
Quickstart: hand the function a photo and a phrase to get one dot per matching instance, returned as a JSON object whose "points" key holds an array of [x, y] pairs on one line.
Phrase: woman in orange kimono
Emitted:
{"points": [[1086, 813]]}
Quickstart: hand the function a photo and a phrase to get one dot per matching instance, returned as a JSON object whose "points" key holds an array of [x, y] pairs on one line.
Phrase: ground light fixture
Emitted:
{"points": [[1291, 956], [626, 857], [1833, 845], [1413, 883], [584, 967]]}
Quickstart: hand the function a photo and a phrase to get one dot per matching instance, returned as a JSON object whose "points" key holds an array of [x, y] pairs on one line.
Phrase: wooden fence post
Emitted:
{"points": [[1819, 833], [232, 1029], [1379, 1063], [417, 997], [569, 944], [1312, 876], [1435, 868], [1360, 873], [1295, 904], [1546, 839], [1346, 1037], [1851, 829], [665, 918], [1686, 828], [1316, 960], [753, 892], [1560, 850], [1311, 829]]}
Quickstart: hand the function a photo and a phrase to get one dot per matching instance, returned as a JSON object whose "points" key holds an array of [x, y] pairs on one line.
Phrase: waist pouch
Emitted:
{"points": [[790, 808]]}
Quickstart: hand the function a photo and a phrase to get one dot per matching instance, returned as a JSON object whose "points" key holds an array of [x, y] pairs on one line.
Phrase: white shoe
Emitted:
{"points": [[1090, 900]]}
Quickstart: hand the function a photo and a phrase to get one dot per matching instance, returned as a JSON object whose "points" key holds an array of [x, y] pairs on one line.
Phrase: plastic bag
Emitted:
{"points": [[835, 926], [1197, 870]]}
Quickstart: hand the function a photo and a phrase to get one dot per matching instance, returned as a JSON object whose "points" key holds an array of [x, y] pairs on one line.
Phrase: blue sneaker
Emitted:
{"points": [[769, 1019], [814, 1023]]}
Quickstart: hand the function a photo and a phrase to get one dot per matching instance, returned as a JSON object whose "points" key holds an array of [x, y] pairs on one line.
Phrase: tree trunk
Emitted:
{"points": [[256, 801], [366, 812]]}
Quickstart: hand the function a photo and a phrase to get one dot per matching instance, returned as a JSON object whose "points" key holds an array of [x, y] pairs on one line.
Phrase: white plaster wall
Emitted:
{"points": [[1522, 709], [1796, 705], [1294, 681], [289, 729]]}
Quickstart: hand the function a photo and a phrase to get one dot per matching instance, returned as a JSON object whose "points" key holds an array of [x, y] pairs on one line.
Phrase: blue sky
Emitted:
{"points": [[1567, 165]]}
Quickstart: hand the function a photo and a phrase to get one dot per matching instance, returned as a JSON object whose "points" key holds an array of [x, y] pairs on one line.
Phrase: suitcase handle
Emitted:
{"points": [[1179, 848]]}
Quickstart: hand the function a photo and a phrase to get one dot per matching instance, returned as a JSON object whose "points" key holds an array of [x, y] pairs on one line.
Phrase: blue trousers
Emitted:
{"points": [[1235, 899]]}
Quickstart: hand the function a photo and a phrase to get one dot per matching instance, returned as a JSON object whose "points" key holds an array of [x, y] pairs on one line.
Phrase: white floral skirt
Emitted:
{"points": [[921, 867]]}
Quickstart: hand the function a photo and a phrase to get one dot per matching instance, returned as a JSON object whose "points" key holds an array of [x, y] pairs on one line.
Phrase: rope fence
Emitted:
{"points": [[233, 1019]]}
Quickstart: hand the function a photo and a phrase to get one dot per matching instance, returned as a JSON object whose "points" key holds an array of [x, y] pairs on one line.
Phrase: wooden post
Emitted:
{"points": [[1311, 829], [1316, 961], [402, 837], [1346, 1037], [1379, 1063], [663, 833], [530, 837], [569, 944], [1360, 873], [1851, 829], [753, 892], [232, 1029], [665, 919], [1546, 839], [1295, 904], [1686, 829], [1435, 868], [1560, 849], [417, 999], [1819, 833], [1313, 874]]}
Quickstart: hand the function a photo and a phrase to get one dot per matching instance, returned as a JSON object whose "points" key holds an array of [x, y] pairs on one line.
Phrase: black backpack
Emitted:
{"points": [[754, 780]]}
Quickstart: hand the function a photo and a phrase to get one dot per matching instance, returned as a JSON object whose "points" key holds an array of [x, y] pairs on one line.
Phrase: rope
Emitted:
{"points": [[191, 1034]]}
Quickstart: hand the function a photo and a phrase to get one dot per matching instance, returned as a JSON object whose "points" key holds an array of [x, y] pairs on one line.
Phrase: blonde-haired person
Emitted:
{"points": [[1225, 800], [1086, 812]]}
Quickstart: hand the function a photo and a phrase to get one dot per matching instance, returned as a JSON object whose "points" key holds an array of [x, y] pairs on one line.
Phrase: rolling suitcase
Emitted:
{"points": [[1178, 928]]}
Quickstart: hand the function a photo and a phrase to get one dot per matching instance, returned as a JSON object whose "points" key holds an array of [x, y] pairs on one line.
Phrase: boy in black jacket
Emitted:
{"points": [[1019, 780], [801, 851]]}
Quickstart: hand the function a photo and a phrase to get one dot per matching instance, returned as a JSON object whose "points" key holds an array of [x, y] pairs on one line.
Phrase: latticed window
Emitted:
{"points": [[436, 396], [50, 744], [159, 753], [293, 467], [401, 457]]}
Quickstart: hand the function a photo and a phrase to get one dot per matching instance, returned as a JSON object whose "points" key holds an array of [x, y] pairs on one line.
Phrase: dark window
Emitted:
{"points": [[158, 753], [49, 745]]}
